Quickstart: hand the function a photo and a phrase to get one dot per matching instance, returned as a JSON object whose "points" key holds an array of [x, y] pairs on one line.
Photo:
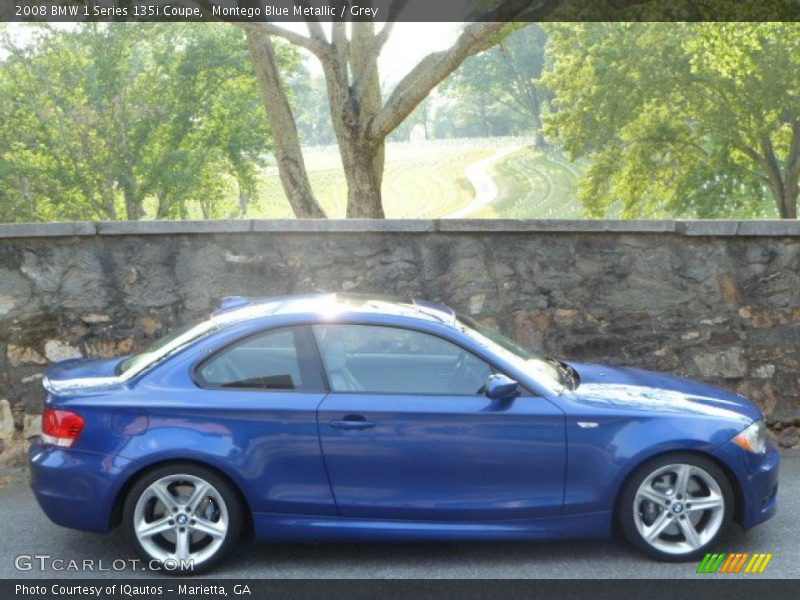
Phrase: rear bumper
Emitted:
{"points": [[758, 479], [75, 488]]}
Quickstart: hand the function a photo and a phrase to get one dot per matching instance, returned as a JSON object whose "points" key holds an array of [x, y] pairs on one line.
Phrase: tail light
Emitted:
{"points": [[61, 427]]}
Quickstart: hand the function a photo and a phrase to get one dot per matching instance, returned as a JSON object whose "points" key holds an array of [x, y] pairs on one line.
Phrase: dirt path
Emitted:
{"points": [[478, 175]]}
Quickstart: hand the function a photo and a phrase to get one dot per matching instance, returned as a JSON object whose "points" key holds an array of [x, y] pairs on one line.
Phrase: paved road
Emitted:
{"points": [[25, 530]]}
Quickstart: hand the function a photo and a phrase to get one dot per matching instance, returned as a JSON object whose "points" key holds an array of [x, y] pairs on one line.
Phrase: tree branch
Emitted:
{"points": [[429, 73], [435, 67], [312, 22], [314, 45], [363, 78]]}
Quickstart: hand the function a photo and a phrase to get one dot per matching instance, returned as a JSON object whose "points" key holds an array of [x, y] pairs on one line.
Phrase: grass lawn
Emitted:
{"points": [[534, 185], [421, 181]]}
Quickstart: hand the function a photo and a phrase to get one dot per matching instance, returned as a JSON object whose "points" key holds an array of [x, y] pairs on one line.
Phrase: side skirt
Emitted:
{"points": [[271, 527]]}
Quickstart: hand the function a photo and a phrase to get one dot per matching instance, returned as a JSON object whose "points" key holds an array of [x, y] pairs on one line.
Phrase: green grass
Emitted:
{"points": [[426, 181], [534, 185]]}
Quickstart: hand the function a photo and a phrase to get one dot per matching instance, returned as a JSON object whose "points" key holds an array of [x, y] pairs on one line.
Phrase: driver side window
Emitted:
{"points": [[391, 360]]}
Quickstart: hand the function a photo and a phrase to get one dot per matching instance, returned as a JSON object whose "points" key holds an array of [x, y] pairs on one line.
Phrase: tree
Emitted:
{"points": [[680, 119], [499, 88], [362, 119], [104, 120]]}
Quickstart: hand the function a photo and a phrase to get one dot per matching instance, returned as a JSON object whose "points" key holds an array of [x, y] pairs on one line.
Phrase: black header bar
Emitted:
{"points": [[399, 10]]}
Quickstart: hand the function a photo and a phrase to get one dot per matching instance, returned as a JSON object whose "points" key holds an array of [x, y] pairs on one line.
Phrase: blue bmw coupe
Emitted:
{"points": [[331, 417]]}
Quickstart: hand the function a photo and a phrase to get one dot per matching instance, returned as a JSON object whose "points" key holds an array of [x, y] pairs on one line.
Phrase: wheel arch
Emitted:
{"points": [[115, 517], [738, 493]]}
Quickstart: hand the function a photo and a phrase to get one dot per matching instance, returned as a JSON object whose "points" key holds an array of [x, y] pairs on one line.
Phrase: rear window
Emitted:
{"points": [[279, 359], [165, 347]]}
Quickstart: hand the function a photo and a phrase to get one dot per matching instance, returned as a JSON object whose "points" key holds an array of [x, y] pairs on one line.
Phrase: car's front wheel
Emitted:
{"points": [[675, 507], [182, 518]]}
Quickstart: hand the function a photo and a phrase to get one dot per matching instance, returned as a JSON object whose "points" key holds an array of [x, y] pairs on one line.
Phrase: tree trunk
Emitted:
{"points": [[243, 199], [536, 114], [353, 106], [786, 200], [361, 119], [133, 206], [364, 177], [783, 183], [291, 166]]}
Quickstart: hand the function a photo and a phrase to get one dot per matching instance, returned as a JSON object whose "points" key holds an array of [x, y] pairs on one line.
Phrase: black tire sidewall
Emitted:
{"points": [[229, 495], [627, 497]]}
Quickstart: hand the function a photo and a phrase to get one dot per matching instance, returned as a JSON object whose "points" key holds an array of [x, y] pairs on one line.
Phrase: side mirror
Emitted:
{"points": [[500, 387]]}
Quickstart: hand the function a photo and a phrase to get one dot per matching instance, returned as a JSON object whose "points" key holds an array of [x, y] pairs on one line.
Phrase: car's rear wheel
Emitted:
{"points": [[182, 518], [675, 507]]}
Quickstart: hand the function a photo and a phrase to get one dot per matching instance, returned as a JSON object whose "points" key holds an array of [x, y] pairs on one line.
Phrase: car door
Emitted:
{"points": [[407, 433], [266, 388]]}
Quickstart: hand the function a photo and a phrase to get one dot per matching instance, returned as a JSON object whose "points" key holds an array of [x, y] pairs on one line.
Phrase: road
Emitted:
{"points": [[25, 530]]}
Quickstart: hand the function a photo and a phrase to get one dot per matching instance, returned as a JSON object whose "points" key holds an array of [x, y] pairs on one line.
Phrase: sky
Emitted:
{"points": [[408, 43]]}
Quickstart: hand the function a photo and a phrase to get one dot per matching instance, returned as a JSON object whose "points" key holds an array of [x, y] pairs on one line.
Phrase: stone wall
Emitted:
{"points": [[717, 301]]}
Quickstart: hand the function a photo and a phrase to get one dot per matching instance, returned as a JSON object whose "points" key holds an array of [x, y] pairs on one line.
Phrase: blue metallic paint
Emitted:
{"points": [[433, 467]]}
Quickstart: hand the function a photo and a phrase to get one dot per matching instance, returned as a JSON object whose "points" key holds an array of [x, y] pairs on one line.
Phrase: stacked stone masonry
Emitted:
{"points": [[717, 301]]}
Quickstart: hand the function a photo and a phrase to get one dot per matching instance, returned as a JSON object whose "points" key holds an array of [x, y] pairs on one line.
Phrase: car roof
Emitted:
{"points": [[239, 308]]}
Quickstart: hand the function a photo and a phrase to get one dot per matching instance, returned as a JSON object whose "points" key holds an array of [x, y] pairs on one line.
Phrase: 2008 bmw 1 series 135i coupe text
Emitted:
{"points": [[344, 418]]}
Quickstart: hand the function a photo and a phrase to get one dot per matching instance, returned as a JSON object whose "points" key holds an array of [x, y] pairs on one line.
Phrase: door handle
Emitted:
{"points": [[356, 422]]}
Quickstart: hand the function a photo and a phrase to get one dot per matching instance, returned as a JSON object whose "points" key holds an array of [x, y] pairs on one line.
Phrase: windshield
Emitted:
{"points": [[166, 346], [546, 370]]}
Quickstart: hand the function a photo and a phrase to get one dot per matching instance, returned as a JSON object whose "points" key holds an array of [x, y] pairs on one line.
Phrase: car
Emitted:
{"points": [[331, 417]]}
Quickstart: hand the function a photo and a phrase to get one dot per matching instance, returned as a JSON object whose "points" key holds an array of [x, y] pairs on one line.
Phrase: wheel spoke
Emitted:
{"points": [[145, 529], [200, 491], [182, 544], [180, 495], [209, 527], [659, 525], [682, 481], [704, 503], [691, 511], [689, 532], [653, 495], [161, 492]]}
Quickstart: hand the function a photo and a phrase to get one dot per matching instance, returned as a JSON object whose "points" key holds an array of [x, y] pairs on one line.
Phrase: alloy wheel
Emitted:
{"points": [[181, 518], [678, 508]]}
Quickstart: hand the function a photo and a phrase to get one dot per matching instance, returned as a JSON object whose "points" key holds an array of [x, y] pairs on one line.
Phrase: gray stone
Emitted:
{"points": [[93, 318], [711, 228], [21, 355], [57, 350], [728, 363], [15, 230], [7, 303], [6, 421], [789, 437], [172, 227], [686, 297], [31, 426], [764, 371]]}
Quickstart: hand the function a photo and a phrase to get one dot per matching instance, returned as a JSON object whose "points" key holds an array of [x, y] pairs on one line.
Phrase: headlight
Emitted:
{"points": [[754, 438]]}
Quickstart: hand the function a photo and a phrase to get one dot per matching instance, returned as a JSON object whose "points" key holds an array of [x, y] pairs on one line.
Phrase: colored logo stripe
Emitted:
{"points": [[734, 562], [758, 563], [710, 563]]}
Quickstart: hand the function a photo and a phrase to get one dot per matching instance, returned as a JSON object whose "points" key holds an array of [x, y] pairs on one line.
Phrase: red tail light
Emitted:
{"points": [[61, 427]]}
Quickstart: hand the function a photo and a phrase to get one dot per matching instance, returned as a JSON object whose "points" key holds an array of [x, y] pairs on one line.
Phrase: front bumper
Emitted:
{"points": [[75, 488], [757, 475]]}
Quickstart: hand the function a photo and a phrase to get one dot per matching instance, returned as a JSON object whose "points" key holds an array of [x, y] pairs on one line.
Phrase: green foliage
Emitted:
{"points": [[108, 121], [311, 112], [694, 120], [496, 92]]}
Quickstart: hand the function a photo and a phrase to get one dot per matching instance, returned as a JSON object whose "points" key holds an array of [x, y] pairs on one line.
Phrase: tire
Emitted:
{"points": [[657, 514], [182, 512]]}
